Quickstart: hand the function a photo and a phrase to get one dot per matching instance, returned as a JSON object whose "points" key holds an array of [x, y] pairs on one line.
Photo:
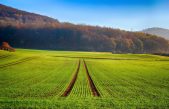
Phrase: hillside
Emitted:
{"points": [[158, 31], [28, 30], [17, 18]]}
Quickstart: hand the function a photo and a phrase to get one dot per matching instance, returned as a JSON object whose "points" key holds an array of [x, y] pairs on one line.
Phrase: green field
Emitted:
{"points": [[38, 79]]}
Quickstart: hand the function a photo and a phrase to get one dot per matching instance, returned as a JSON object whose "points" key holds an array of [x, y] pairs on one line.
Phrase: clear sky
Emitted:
{"points": [[124, 14]]}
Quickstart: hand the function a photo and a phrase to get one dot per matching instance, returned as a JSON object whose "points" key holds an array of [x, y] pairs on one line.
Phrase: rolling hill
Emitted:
{"points": [[28, 30], [158, 31]]}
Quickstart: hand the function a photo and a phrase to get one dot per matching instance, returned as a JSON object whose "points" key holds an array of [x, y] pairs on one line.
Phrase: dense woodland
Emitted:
{"points": [[27, 30]]}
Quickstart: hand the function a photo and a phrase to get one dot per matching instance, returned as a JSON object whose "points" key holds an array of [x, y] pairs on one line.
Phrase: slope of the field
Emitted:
{"points": [[38, 79]]}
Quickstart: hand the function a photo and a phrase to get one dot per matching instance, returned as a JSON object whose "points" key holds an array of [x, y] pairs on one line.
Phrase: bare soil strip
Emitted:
{"points": [[91, 83], [97, 58], [17, 62], [70, 86]]}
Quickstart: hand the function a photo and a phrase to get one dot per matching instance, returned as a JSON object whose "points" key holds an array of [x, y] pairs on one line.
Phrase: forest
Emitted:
{"points": [[28, 30]]}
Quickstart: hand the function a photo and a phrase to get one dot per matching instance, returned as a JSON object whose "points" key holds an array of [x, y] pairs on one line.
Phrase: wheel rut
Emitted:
{"points": [[71, 84], [93, 88]]}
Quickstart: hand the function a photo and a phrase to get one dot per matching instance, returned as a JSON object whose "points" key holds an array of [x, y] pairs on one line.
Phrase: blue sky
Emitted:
{"points": [[124, 14]]}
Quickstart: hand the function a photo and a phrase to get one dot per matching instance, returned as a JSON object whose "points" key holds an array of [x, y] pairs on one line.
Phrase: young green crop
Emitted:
{"points": [[81, 87], [139, 83], [38, 78]]}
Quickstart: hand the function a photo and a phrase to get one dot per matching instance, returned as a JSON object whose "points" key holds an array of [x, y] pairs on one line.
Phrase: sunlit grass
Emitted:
{"points": [[123, 80]]}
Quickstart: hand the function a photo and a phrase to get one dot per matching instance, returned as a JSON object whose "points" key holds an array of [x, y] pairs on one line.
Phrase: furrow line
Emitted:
{"points": [[4, 56], [93, 88], [71, 84], [17, 62]]}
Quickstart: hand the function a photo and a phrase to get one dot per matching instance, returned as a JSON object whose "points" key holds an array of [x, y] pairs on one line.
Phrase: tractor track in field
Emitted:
{"points": [[17, 62], [71, 84], [93, 88], [4, 56]]}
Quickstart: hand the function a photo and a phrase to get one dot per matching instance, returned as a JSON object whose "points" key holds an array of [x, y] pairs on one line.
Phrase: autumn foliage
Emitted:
{"points": [[29, 30]]}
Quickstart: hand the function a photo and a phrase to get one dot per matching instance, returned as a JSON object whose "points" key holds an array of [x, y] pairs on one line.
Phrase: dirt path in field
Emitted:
{"points": [[17, 62], [91, 83], [70, 86]]}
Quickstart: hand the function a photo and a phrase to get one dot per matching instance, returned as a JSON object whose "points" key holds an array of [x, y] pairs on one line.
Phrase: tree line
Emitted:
{"points": [[83, 38]]}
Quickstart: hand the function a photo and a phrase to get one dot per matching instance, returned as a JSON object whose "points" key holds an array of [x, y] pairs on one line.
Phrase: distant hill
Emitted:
{"points": [[13, 17], [158, 31], [28, 30]]}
